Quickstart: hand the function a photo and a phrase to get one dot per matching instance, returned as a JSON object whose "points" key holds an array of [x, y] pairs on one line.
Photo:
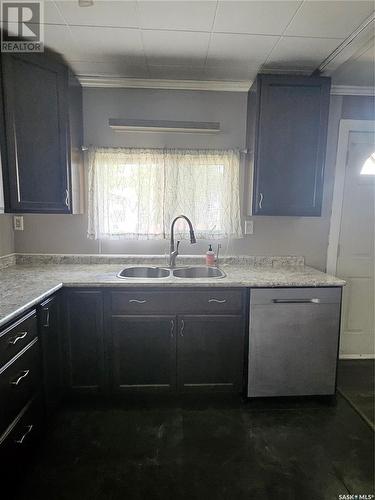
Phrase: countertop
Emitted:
{"points": [[23, 286]]}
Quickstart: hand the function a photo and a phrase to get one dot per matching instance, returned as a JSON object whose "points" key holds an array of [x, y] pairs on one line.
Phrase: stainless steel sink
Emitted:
{"points": [[144, 272], [198, 272]]}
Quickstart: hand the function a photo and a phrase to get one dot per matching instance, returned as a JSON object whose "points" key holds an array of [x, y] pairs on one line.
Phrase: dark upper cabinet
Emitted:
{"points": [[286, 141], [38, 175]]}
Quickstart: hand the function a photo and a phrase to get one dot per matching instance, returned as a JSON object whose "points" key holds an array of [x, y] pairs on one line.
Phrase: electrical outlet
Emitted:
{"points": [[18, 222], [249, 227]]}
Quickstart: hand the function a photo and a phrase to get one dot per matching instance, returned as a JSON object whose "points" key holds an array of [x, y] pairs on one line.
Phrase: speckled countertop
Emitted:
{"points": [[25, 285]]}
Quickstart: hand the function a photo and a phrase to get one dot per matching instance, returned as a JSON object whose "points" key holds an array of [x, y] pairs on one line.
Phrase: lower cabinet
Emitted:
{"points": [[49, 318], [84, 341], [144, 353], [210, 353]]}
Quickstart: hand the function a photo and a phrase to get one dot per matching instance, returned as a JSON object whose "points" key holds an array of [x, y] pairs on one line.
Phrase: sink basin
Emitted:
{"points": [[144, 272], [198, 272]]}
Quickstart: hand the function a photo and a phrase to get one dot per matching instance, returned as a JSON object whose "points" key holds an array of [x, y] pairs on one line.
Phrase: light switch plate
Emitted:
{"points": [[249, 227], [18, 222]]}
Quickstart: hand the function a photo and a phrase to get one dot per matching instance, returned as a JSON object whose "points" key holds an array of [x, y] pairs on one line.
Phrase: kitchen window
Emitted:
{"points": [[135, 193]]}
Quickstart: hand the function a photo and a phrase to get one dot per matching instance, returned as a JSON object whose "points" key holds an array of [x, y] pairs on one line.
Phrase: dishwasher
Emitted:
{"points": [[293, 341]]}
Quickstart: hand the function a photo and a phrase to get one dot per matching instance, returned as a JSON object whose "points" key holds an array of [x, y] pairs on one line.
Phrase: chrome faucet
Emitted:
{"points": [[172, 251]]}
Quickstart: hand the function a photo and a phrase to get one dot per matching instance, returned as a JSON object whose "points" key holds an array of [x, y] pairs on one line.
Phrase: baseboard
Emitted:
{"points": [[357, 356]]}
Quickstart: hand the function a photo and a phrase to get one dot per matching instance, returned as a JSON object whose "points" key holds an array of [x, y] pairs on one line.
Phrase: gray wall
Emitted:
{"points": [[272, 235], [6, 235]]}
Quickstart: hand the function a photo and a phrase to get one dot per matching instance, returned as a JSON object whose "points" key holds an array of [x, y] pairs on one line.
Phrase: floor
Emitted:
{"points": [[203, 450], [356, 382]]}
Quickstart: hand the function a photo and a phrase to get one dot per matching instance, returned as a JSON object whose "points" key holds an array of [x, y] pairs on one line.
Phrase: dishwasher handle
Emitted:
{"points": [[296, 301]]}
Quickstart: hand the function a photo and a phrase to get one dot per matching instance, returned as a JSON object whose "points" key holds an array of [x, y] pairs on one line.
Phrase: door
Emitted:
{"points": [[290, 142], [50, 330], [85, 371], [356, 258], [210, 353], [144, 353], [36, 124]]}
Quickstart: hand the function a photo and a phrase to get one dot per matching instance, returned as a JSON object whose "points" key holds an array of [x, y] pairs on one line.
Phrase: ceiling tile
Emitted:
{"points": [[233, 73], [51, 13], [179, 48], [114, 68], [102, 13], [233, 49], [258, 17], [300, 53], [180, 15], [177, 72], [329, 18], [101, 44]]}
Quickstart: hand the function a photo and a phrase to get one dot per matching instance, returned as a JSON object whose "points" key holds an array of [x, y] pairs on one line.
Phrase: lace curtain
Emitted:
{"points": [[135, 193]]}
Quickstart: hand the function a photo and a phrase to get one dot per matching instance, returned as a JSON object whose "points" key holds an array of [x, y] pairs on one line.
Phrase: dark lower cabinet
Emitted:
{"points": [[84, 335], [49, 319], [144, 353], [210, 353]]}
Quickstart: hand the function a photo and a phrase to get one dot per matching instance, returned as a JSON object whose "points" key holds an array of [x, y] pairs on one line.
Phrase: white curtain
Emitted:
{"points": [[135, 193]]}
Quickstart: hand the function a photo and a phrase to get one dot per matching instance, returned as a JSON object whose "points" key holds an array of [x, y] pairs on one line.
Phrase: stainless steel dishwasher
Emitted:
{"points": [[293, 341]]}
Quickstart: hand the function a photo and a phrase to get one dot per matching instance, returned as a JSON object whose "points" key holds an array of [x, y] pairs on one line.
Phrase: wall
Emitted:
{"points": [[272, 235], [6, 235]]}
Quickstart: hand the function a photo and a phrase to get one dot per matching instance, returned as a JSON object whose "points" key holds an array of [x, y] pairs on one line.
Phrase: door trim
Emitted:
{"points": [[346, 126]]}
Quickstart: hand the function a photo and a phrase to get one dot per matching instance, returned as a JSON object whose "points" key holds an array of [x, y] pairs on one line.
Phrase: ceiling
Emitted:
{"points": [[199, 40]]}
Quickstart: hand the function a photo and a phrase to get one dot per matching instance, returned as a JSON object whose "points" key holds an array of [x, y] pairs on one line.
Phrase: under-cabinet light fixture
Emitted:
{"points": [[130, 125]]}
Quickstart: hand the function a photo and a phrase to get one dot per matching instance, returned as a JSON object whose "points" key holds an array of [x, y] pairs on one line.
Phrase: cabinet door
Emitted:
{"points": [[36, 111], [293, 344], [50, 332], [144, 352], [210, 353], [291, 130], [85, 341]]}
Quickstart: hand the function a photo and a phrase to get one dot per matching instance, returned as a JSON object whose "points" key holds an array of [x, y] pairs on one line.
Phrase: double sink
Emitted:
{"points": [[192, 272]]}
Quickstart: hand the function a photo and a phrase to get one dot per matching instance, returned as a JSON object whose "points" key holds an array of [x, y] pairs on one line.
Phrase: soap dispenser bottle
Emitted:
{"points": [[210, 257]]}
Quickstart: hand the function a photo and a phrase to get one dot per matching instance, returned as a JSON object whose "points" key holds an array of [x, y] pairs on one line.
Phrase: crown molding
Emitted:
{"points": [[146, 83], [352, 90]]}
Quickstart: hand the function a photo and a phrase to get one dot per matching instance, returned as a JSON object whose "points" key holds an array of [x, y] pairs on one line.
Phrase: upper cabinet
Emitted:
{"points": [[42, 110], [286, 141]]}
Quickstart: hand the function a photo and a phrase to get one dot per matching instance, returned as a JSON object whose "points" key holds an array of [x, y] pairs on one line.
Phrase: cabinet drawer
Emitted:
{"points": [[274, 296], [19, 381], [217, 301], [18, 335], [19, 439]]}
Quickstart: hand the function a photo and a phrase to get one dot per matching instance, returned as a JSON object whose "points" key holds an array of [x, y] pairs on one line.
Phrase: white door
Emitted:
{"points": [[356, 260]]}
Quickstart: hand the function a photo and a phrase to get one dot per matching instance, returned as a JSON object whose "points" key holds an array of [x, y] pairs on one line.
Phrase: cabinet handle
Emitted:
{"points": [[172, 328], [23, 374], [29, 428], [218, 301], [182, 328], [296, 301], [17, 337], [66, 197], [137, 301], [46, 323], [260, 200]]}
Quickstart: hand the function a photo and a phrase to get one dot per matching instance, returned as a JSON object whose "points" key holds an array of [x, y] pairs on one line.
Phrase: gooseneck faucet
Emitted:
{"points": [[172, 251]]}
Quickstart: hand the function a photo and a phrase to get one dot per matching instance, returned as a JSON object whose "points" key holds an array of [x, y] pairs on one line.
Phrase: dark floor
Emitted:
{"points": [[288, 450], [356, 382]]}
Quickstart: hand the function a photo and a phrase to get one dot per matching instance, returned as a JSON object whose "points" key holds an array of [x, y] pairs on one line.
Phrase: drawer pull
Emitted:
{"points": [[29, 428], [172, 328], [46, 323], [296, 301], [17, 337], [218, 301], [137, 301], [182, 328], [23, 374]]}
